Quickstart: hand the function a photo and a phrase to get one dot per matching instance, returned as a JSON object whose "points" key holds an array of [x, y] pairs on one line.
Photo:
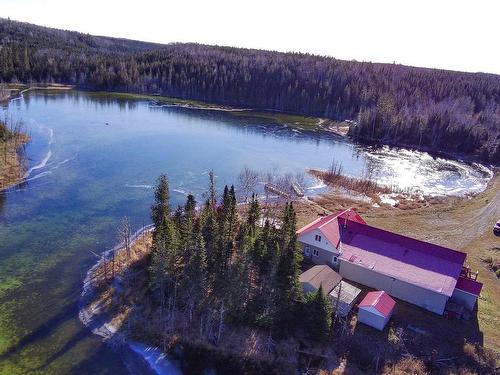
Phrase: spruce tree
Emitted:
{"points": [[288, 290], [160, 210], [164, 270], [253, 215], [318, 315]]}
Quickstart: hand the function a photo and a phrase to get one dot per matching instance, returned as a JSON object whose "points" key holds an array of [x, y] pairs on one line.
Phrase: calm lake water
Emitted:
{"points": [[94, 158]]}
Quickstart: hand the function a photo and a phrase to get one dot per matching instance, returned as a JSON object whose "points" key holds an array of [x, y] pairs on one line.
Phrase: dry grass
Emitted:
{"points": [[123, 262], [335, 178], [408, 365], [11, 162], [365, 192]]}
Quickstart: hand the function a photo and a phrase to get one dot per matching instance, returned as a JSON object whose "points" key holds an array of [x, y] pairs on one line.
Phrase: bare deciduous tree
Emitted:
{"points": [[247, 181], [125, 235]]}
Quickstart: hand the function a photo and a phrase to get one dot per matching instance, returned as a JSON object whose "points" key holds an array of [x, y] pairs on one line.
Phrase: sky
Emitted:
{"points": [[457, 35]]}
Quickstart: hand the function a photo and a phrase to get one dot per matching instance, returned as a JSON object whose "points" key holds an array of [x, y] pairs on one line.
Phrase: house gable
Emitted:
{"points": [[317, 238]]}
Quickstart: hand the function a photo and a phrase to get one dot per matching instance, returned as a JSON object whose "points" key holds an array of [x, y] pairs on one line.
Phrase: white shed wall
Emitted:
{"points": [[464, 298], [372, 319]]}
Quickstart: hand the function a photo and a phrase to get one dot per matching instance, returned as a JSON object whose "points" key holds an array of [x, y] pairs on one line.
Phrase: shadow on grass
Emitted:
{"points": [[415, 333]]}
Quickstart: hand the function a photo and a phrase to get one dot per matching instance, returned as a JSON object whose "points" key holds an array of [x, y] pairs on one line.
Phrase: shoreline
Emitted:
{"points": [[159, 101], [15, 173], [17, 90], [331, 126], [137, 354], [11, 171], [337, 128]]}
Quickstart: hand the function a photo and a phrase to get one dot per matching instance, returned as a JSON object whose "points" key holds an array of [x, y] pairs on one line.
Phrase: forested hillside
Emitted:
{"points": [[428, 108]]}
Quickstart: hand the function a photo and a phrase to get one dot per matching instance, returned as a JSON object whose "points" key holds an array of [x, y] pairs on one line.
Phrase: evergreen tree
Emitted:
{"points": [[194, 280], [190, 207], [164, 270], [318, 315], [288, 290], [160, 210], [253, 215]]}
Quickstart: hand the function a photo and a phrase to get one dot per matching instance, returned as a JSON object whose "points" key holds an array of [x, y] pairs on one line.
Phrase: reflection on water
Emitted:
{"points": [[94, 159]]}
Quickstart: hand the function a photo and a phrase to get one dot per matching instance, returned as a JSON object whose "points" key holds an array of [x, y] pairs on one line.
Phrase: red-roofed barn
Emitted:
{"points": [[415, 271]]}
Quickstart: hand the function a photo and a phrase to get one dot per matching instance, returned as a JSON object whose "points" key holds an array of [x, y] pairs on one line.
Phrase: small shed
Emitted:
{"points": [[344, 296], [376, 309], [318, 275]]}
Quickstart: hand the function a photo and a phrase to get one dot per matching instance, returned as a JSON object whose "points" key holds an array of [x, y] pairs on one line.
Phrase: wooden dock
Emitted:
{"points": [[297, 189]]}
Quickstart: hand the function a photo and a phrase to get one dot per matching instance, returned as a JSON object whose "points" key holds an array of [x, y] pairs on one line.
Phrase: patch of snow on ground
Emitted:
{"points": [[388, 199]]}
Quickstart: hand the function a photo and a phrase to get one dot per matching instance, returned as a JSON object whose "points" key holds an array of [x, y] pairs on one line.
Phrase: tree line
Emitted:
{"points": [[428, 108], [214, 268]]}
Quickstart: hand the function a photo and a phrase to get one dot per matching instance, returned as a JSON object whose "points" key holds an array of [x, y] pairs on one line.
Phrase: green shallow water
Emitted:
{"points": [[86, 176]]}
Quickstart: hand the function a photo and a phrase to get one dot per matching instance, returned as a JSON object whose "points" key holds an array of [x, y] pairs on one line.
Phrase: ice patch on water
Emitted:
{"points": [[36, 177], [319, 185], [156, 359], [417, 171], [180, 191], [139, 186], [40, 165]]}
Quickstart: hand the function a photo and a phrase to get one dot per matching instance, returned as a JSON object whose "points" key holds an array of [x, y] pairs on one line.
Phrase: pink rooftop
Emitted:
{"points": [[380, 300], [417, 262], [329, 225]]}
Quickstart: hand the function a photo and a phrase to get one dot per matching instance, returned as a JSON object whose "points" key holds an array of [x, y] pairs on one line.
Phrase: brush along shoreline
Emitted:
{"points": [[12, 163], [134, 354]]}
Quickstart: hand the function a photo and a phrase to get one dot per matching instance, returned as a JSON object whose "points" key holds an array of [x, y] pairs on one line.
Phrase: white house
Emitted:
{"points": [[320, 239]]}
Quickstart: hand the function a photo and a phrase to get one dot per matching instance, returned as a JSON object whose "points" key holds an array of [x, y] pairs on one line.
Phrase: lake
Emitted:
{"points": [[94, 159]]}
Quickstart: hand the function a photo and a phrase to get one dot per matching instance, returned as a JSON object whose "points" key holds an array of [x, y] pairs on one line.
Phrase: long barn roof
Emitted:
{"points": [[407, 259], [416, 262]]}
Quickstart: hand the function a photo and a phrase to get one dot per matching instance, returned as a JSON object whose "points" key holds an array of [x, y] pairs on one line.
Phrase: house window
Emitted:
{"points": [[315, 252], [335, 259], [317, 238]]}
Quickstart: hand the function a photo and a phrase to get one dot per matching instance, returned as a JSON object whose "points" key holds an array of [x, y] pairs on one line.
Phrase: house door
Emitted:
{"points": [[307, 251]]}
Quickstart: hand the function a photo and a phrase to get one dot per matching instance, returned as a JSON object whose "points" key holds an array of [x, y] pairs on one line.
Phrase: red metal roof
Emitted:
{"points": [[380, 300], [407, 259], [417, 262], [330, 225], [469, 285]]}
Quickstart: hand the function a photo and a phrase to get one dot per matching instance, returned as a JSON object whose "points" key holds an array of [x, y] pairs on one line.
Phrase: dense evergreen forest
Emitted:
{"points": [[432, 109], [213, 267]]}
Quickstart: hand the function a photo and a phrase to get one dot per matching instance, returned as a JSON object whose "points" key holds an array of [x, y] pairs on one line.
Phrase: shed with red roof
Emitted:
{"points": [[376, 309]]}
